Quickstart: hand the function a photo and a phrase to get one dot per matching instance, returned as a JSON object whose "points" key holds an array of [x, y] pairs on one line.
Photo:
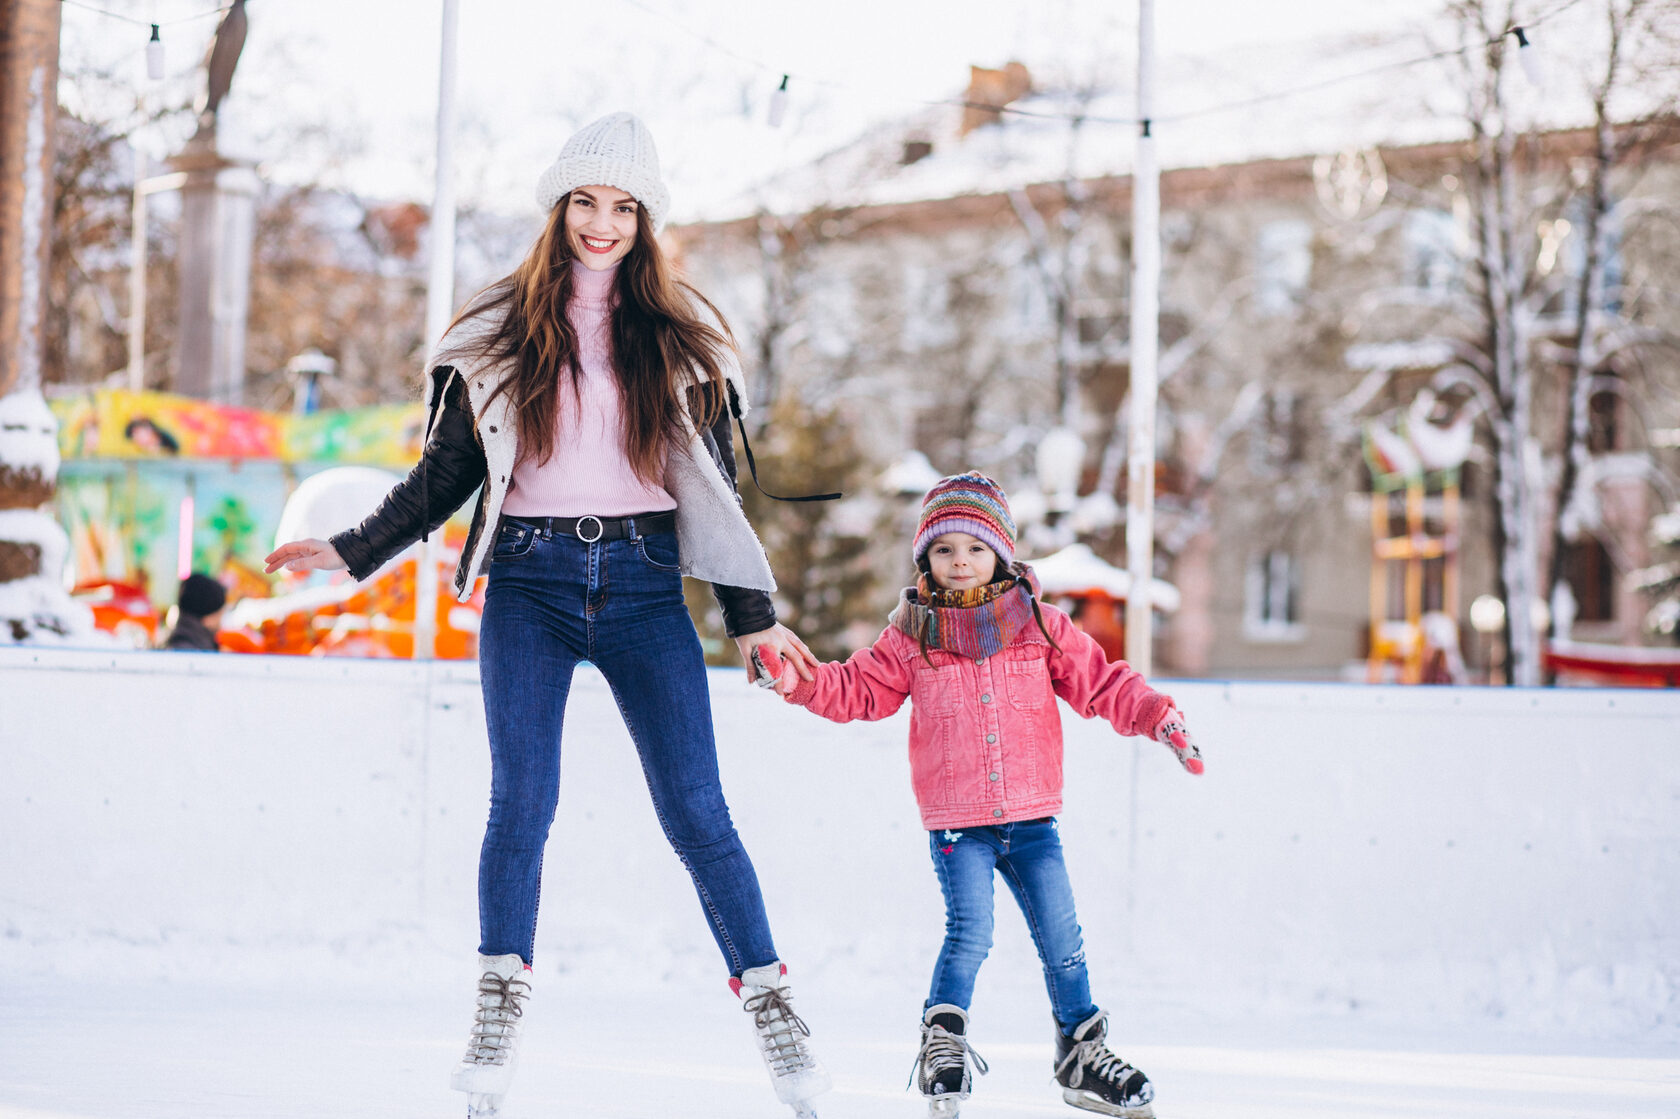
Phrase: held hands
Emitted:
{"points": [[1171, 732], [781, 652], [304, 555], [776, 673]]}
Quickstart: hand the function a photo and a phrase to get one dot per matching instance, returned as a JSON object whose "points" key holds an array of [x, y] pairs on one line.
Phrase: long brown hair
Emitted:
{"points": [[656, 331]]}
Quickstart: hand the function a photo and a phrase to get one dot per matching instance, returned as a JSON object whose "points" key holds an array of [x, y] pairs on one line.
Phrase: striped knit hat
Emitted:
{"points": [[970, 503]]}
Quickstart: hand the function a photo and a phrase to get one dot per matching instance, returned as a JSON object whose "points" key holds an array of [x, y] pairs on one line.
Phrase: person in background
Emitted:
{"points": [[198, 615]]}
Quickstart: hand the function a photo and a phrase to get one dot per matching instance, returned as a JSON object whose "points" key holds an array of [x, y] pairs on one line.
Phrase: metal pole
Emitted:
{"points": [[144, 188], [440, 291], [1146, 279], [137, 280], [440, 301]]}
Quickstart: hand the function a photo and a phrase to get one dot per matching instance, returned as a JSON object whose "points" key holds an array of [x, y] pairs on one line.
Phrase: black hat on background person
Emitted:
{"points": [[199, 614]]}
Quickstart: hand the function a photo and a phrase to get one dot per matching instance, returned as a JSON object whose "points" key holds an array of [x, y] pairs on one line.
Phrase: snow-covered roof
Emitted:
{"points": [[1077, 568], [1261, 101]]}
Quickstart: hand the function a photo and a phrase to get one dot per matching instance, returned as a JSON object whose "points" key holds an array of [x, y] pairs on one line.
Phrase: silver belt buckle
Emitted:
{"points": [[600, 529]]}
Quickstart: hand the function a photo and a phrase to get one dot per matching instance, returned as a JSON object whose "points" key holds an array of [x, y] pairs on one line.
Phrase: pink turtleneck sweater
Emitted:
{"points": [[588, 473]]}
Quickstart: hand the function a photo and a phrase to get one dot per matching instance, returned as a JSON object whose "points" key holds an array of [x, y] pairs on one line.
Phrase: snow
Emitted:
{"points": [[1422, 353], [28, 433], [248, 891], [48, 615], [1617, 654], [31, 526], [1077, 568], [911, 474]]}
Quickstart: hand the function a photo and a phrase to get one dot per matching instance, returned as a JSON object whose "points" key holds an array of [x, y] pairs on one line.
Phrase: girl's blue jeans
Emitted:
{"points": [[553, 601], [1029, 857]]}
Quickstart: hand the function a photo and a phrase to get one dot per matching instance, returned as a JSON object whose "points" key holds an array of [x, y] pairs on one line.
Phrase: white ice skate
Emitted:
{"points": [[493, 1049], [796, 1074]]}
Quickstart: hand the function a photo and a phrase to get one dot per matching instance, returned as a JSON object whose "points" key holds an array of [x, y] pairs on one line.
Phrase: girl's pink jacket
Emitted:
{"points": [[985, 734]]}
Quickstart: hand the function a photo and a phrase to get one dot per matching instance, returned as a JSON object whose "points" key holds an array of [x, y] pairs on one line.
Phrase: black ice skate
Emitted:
{"points": [[486, 1071], [1094, 1078], [942, 1072]]}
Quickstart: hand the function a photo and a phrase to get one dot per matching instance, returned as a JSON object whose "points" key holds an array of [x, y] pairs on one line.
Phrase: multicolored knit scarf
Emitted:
{"points": [[972, 623]]}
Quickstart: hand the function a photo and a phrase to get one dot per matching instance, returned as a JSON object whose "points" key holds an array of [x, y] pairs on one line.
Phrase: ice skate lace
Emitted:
{"points": [[941, 1051], [781, 1029], [496, 1022], [1095, 1057]]}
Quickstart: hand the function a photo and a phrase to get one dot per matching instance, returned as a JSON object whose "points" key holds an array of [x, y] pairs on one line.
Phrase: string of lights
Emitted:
{"points": [[125, 18], [1523, 33], [154, 45]]}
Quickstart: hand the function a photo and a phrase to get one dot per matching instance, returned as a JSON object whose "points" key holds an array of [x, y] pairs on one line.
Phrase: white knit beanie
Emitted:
{"points": [[615, 151]]}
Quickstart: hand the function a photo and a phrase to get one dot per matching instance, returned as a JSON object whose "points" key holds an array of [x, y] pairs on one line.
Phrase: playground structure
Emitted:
{"points": [[1415, 525]]}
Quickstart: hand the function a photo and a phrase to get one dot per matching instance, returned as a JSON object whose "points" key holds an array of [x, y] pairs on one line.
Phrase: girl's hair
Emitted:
{"points": [[925, 566], [656, 330]]}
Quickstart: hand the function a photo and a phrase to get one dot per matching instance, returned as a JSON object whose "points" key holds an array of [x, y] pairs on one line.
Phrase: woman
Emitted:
{"points": [[589, 393]]}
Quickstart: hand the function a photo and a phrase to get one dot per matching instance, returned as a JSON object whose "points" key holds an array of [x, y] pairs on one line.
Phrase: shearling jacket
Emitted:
{"points": [[985, 733], [473, 443]]}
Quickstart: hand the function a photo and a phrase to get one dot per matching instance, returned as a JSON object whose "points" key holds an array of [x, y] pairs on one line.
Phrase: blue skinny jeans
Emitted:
{"points": [[553, 601], [1028, 855]]}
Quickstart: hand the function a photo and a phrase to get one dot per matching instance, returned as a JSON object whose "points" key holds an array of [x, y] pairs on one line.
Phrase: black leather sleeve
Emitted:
{"points": [[744, 609], [450, 469]]}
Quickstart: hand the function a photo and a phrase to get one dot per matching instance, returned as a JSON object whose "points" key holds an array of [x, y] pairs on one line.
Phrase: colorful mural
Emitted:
{"points": [[153, 486]]}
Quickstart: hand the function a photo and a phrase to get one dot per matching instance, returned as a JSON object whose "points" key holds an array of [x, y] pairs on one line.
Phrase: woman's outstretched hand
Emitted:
{"points": [[304, 555], [784, 643]]}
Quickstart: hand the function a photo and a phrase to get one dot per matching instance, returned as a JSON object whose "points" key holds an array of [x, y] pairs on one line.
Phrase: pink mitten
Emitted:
{"points": [[772, 671], [1172, 732]]}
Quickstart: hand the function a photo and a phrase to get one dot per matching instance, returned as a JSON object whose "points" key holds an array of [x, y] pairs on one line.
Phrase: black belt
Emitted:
{"points": [[589, 529]]}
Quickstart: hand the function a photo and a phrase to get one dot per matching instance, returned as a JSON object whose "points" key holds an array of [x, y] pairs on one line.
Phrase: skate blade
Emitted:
{"points": [[483, 1105], [804, 1110], [944, 1107], [1090, 1101]]}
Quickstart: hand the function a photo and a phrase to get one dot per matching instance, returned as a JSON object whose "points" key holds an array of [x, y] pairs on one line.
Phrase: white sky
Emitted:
{"points": [[530, 72]]}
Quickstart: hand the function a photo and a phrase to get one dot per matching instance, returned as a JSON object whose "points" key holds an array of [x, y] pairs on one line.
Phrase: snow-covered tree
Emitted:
{"points": [[33, 603]]}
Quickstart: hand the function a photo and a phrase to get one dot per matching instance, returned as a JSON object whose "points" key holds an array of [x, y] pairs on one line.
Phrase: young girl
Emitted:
{"points": [[982, 662]]}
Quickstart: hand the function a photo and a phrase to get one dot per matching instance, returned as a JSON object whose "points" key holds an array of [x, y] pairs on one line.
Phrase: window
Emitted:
{"points": [[1028, 309], [1570, 236], [927, 306], [1433, 264], [1275, 440], [1282, 265], [1592, 579], [1271, 611], [1603, 422], [830, 307]]}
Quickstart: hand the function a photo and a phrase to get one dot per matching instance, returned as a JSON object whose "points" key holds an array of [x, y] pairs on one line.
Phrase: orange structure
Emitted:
{"points": [[375, 619], [1414, 572]]}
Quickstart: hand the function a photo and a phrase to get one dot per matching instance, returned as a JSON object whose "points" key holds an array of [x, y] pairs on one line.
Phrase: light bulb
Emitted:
{"points": [[778, 103], [1529, 59], [154, 56]]}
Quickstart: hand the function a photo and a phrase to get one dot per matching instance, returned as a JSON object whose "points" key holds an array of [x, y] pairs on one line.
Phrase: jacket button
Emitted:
{"points": [[994, 777], [991, 738], [987, 698], [997, 812], [980, 660]]}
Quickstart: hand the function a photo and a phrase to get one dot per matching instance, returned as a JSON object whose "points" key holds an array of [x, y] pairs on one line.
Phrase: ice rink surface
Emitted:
{"points": [[382, 1045], [243, 888]]}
